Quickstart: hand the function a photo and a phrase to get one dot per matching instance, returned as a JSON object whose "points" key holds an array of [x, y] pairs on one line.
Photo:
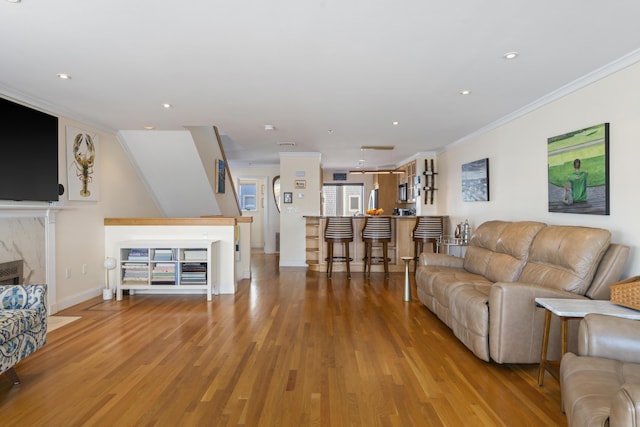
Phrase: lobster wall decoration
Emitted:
{"points": [[84, 154]]}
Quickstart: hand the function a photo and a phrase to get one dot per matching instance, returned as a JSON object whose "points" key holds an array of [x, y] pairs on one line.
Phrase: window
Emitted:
{"points": [[355, 203], [248, 197], [249, 203], [342, 199]]}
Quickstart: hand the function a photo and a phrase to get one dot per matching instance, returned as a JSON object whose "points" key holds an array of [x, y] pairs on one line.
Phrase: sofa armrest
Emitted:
{"points": [[625, 406], [13, 297], [442, 260], [516, 324], [609, 337]]}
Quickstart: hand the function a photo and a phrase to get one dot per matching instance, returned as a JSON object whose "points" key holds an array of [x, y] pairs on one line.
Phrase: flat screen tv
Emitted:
{"points": [[29, 153]]}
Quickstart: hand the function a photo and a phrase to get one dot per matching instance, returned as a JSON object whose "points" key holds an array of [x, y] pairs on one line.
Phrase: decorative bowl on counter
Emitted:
{"points": [[374, 211]]}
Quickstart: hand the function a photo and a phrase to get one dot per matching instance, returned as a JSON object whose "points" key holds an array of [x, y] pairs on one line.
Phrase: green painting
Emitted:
{"points": [[578, 170]]}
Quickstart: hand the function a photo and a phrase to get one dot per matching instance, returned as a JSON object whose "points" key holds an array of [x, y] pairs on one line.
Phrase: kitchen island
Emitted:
{"points": [[401, 244]]}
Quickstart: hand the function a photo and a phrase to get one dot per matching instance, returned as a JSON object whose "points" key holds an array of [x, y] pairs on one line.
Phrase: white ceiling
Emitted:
{"points": [[308, 66]]}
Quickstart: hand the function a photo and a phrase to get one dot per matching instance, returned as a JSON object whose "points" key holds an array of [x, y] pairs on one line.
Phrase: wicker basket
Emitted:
{"points": [[627, 293]]}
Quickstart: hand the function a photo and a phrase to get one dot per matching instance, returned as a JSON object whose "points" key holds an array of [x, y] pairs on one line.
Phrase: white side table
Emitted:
{"points": [[571, 309]]}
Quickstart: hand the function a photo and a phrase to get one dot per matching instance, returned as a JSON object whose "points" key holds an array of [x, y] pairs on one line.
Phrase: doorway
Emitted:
{"points": [[251, 193]]}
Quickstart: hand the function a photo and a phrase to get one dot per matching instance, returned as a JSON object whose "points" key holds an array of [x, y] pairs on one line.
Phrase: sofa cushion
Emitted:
{"points": [[625, 406], [470, 317], [433, 278], [17, 322], [435, 284], [588, 385], [565, 257], [498, 249]]}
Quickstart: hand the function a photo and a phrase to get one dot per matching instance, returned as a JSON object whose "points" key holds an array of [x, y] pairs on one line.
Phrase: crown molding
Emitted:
{"points": [[50, 108], [584, 81]]}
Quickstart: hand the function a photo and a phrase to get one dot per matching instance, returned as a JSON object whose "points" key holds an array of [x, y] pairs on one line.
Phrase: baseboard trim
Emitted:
{"points": [[75, 299]]}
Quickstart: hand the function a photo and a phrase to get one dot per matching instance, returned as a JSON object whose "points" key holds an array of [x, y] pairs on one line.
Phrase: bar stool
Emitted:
{"points": [[428, 229], [338, 230], [376, 230]]}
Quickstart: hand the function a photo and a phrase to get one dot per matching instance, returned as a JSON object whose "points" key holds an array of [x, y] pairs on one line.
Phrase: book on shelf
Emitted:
{"points": [[164, 273], [161, 281], [135, 273], [194, 273], [135, 265], [195, 254], [135, 276], [138, 254], [164, 266], [162, 255], [194, 266]]}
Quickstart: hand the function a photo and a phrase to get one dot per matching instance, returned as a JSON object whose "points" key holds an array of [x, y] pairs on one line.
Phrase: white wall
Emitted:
{"points": [[420, 206], [172, 167], [305, 202], [80, 225], [211, 151], [517, 153]]}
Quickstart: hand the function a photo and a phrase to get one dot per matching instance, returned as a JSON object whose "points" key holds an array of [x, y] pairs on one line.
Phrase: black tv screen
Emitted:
{"points": [[29, 152]]}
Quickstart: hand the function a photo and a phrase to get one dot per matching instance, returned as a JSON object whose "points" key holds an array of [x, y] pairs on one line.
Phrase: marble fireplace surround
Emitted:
{"points": [[27, 233]]}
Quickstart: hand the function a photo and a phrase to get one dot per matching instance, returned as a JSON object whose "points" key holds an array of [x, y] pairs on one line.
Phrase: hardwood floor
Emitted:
{"points": [[291, 348]]}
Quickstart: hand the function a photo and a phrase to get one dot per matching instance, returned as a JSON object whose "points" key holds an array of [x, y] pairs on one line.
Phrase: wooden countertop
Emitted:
{"points": [[367, 216], [207, 220]]}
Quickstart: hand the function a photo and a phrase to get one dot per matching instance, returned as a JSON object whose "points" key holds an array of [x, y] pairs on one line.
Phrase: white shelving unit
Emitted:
{"points": [[167, 265]]}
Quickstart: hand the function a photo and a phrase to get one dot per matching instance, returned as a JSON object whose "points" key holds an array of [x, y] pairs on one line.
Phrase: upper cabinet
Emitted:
{"points": [[409, 182]]}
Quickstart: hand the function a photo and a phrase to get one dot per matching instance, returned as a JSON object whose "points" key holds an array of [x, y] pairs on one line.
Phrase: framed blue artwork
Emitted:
{"points": [[220, 176], [475, 181]]}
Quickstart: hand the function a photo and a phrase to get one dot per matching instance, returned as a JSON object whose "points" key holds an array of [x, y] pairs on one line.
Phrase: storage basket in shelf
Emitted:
{"points": [[626, 293]]}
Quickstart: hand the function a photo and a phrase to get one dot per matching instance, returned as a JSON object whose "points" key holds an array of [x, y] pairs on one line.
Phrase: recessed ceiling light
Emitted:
{"points": [[269, 127], [64, 76], [167, 105], [148, 127], [465, 92], [330, 131], [396, 123], [510, 55]]}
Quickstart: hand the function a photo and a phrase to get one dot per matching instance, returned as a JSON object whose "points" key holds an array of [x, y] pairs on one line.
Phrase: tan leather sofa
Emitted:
{"points": [[488, 297], [601, 385]]}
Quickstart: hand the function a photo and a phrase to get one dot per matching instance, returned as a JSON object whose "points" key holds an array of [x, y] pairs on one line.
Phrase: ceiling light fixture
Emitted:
{"points": [[269, 127], [377, 147], [64, 76], [376, 172], [510, 55], [465, 92], [286, 146], [148, 127], [395, 123], [167, 106], [14, 1]]}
